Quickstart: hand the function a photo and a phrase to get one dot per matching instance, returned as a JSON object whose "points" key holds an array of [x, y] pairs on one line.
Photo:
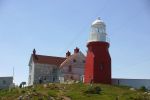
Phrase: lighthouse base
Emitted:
{"points": [[98, 63]]}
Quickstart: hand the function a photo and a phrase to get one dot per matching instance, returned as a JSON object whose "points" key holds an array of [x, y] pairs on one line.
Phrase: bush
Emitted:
{"points": [[94, 90], [34, 90], [23, 91], [143, 88]]}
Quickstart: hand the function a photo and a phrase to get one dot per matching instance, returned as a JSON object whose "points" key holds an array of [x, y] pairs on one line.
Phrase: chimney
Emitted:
{"points": [[34, 52], [68, 54], [76, 50]]}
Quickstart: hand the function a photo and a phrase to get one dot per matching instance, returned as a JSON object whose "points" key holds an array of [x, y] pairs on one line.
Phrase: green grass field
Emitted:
{"points": [[76, 91]]}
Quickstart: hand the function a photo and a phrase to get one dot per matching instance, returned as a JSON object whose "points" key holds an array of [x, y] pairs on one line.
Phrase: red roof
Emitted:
{"points": [[42, 59]]}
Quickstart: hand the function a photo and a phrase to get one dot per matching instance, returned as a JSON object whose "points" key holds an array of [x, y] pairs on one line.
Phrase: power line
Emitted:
{"points": [[101, 10], [73, 40], [80, 33]]}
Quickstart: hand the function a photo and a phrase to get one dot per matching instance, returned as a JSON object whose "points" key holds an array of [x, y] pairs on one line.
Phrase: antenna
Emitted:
{"points": [[13, 74]]}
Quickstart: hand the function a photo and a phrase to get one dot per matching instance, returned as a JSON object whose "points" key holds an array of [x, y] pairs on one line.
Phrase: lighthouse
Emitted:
{"points": [[98, 60]]}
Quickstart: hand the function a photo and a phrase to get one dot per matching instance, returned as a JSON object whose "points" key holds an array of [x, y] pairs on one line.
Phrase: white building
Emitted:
{"points": [[44, 69], [6, 82]]}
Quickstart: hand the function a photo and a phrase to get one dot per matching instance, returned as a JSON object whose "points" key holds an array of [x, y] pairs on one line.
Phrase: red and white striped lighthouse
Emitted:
{"points": [[98, 61]]}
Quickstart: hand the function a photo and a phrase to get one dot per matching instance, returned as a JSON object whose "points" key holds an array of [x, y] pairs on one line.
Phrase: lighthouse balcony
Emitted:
{"points": [[106, 39]]}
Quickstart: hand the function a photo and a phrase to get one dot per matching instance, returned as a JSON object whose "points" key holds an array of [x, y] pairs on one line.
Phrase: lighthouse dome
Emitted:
{"points": [[98, 22]]}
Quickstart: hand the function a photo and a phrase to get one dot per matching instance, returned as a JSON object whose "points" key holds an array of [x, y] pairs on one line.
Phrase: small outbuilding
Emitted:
{"points": [[6, 82]]}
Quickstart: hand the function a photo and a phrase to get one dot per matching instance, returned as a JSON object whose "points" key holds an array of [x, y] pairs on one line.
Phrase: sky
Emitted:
{"points": [[53, 27]]}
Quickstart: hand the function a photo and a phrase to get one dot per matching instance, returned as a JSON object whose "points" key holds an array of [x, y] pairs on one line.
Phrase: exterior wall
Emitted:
{"points": [[45, 72], [77, 67], [98, 63], [75, 74], [136, 83], [5, 82], [31, 73]]}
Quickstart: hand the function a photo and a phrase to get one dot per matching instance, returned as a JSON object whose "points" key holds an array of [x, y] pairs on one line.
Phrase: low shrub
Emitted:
{"points": [[34, 90], [23, 91], [143, 88], [93, 90]]}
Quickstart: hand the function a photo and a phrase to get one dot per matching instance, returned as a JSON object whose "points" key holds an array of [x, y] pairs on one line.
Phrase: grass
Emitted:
{"points": [[76, 91]]}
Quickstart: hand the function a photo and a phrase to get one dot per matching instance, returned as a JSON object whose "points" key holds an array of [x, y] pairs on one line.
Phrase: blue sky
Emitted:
{"points": [[54, 26]]}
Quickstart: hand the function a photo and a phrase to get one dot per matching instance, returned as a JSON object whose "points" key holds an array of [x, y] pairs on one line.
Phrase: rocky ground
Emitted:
{"points": [[76, 91]]}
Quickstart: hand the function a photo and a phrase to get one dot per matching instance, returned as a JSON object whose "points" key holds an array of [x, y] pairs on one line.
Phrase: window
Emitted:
{"points": [[98, 29], [53, 79], [44, 77], [30, 69], [74, 60], [101, 66], [54, 70], [29, 78], [4, 82], [71, 77], [94, 30], [83, 61], [70, 69]]}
